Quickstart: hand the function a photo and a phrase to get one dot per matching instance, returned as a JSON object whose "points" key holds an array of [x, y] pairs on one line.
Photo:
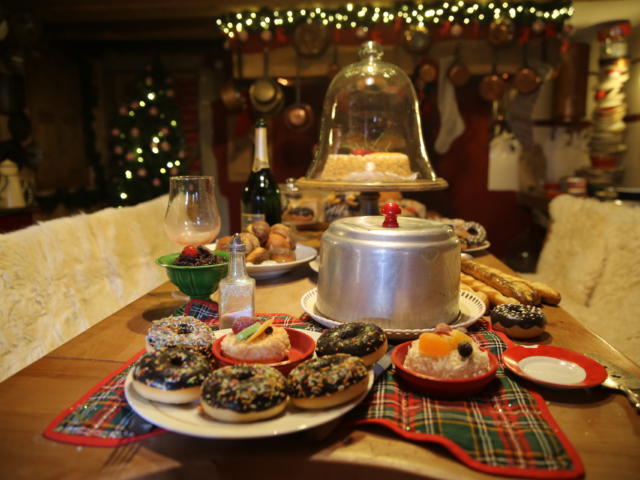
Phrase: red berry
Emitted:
{"points": [[189, 251], [361, 151], [241, 323]]}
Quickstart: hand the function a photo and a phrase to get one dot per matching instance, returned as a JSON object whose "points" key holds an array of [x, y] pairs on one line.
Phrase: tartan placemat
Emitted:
{"points": [[505, 430], [102, 416]]}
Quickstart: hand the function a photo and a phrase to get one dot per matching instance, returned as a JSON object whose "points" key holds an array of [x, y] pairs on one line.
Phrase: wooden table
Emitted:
{"points": [[601, 424]]}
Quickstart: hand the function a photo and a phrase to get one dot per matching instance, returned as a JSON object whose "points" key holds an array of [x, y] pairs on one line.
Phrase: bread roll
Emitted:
{"points": [[257, 256], [261, 230]]}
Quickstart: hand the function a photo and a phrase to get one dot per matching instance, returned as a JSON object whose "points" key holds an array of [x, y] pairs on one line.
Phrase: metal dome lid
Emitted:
{"points": [[370, 132]]}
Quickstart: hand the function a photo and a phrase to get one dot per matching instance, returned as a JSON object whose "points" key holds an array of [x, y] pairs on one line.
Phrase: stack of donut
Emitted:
{"points": [[470, 234], [264, 242], [175, 370], [177, 361]]}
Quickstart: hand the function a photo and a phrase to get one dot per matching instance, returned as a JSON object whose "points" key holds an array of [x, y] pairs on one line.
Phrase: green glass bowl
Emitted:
{"points": [[199, 282]]}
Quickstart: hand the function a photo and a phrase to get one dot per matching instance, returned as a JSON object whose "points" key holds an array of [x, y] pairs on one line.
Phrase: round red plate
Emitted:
{"points": [[441, 387], [302, 347], [554, 366]]}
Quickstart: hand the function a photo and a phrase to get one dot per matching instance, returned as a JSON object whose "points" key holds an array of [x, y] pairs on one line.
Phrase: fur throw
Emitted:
{"points": [[592, 255], [60, 277]]}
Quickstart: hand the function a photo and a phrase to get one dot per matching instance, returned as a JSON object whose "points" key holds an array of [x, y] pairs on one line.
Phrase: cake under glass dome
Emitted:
{"points": [[370, 133]]}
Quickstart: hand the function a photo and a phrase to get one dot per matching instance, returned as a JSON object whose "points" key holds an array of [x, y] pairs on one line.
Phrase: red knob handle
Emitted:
{"points": [[390, 210]]}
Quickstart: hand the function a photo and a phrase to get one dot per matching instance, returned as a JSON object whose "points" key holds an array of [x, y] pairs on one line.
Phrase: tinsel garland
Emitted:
{"points": [[523, 14]]}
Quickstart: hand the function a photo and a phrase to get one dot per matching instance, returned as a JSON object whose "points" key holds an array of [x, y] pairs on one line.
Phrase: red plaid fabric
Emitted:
{"points": [[505, 430]]}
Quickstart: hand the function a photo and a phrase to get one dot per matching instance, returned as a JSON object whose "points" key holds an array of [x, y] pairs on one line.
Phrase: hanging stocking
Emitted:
{"points": [[451, 123]]}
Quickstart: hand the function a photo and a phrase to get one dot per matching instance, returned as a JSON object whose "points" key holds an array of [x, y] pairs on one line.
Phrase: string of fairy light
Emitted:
{"points": [[410, 13]]}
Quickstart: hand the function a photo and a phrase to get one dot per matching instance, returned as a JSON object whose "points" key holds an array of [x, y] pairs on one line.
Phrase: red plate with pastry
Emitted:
{"points": [[445, 364], [279, 347]]}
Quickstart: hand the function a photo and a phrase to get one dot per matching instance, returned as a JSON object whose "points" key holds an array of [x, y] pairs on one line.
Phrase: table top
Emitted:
{"points": [[601, 424]]}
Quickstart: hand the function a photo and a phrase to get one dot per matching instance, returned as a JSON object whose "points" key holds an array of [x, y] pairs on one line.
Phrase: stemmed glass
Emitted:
{"points": [[192, 216]]}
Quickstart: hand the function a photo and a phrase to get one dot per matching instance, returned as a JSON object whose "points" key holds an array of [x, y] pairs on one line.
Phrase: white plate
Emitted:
{"points": [[471, 309], [478, 248], [315, 265], [188, 419], [304, 254]]}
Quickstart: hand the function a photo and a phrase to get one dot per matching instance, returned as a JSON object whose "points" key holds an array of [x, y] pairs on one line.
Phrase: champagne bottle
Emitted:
{"points": [[261, 196]]}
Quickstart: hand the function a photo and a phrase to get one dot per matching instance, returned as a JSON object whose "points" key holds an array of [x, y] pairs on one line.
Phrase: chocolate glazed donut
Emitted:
{"points": [[518, 321], [171, 375], [364, 340]]}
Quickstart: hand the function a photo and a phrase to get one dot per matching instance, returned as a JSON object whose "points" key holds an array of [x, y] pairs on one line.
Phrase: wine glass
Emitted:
{"points": [[192, 216]]}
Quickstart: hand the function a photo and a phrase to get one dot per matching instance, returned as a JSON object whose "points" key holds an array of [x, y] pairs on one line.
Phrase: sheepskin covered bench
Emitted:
{"points": [[592, 256], [60, 277]]}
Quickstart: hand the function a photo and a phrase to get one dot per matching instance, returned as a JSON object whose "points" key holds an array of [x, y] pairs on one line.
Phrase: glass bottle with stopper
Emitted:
{"points": [[237, 289], [261, 195]]}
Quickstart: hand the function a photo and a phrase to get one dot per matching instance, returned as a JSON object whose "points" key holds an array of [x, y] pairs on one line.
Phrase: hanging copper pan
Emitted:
{"points": [[299, 116], [265, 93], [492, 85], [526, 80], [230, 93], [458, 73]]}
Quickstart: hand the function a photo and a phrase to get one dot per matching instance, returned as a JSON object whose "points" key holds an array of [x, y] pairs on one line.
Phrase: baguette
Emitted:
{"points": [[495, 278], [494, 296], [548, 294]]}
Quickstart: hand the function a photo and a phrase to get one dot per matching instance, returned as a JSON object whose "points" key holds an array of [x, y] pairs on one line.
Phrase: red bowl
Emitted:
{"points": [[442, 387], [302, 347]]}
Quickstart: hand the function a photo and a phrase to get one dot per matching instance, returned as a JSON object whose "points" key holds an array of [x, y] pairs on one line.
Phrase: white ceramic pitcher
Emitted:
{"points": [[13, 190]]}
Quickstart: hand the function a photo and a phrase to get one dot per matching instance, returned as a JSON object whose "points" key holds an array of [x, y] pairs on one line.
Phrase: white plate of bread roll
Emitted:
{"points": [[270, 269], [271, 250]]}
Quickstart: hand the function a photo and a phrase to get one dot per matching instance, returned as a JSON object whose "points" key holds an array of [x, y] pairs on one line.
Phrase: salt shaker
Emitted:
{"points": [[237, 289]]}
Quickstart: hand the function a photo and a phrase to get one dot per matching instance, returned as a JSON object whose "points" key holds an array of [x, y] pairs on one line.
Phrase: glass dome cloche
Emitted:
{"points": [[370, 133]]}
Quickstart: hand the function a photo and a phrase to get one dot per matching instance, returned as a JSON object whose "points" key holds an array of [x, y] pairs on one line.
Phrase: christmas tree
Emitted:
{"points": [[147, 144]]}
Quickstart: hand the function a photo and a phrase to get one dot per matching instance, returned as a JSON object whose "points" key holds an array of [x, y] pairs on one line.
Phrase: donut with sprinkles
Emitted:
{"points": [[327, 381], [184, 331], [244, 393]]}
